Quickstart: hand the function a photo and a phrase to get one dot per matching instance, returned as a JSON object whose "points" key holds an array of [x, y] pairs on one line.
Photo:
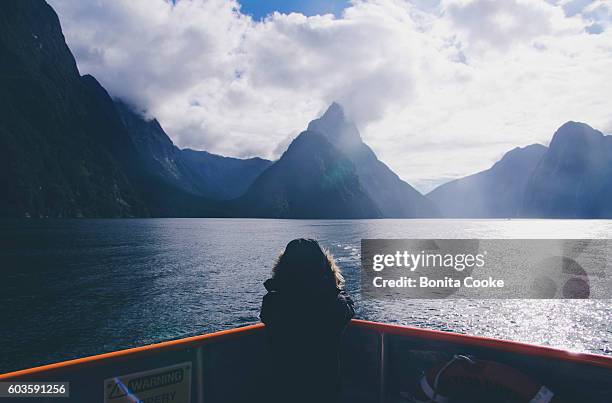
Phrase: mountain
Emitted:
{"points": [[392, 196], [69, 150], [574, 178], [495, 192], [133, 147], [224, 177], [52, 137], [312, 179], [329, 172], [197, 172], [65, 151]]}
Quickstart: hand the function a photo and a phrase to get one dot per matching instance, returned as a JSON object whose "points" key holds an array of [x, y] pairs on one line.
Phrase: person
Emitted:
{"points": [[305, 312]]}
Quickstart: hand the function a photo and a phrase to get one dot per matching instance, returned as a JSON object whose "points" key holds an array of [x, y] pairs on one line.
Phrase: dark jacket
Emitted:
{"points": [[303, 328]]}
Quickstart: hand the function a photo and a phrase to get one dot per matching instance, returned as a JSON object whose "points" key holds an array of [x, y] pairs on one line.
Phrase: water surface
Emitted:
{"points": [[72, 288]]}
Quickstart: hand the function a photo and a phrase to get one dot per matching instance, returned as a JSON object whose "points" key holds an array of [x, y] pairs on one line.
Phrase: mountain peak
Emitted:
{"points": [[334, 125], [332, 120], [334, 111], [518, 152], [520, 157], [572, 125], [573, 179], [312, 179], [575, 134], [575, 128]]}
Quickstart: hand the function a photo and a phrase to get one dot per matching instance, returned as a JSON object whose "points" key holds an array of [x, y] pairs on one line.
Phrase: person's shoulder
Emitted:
{"points": [[272, 297], [269, 306], [344, 297], [345, 304]]}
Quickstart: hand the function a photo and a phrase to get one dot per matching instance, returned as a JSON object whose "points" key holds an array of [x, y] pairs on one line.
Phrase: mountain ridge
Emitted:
{"points": [[45, 172], [68, 149], [571, 178], [65, 145], [201, 173], [394, 197], [574, 179], [496, 192], [312, 179]]}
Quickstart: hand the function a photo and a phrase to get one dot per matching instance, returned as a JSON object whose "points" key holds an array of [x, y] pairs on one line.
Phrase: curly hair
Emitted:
{"points": [[305, 263]]}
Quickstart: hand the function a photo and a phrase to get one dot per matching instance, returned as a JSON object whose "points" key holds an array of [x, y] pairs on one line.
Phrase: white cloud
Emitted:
{"points": [[439, 90], [504, 23]]}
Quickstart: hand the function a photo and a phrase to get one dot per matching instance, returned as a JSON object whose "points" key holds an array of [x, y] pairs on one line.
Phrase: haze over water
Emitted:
{"points": [[80, 287]]}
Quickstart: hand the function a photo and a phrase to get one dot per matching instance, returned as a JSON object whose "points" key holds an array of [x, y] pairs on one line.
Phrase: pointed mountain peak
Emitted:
{"points": [[334, 111], [334, 125]]}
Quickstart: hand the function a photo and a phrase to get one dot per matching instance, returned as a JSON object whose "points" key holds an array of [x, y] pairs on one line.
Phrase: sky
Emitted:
{"points": [[438, 88], [259, 9]]}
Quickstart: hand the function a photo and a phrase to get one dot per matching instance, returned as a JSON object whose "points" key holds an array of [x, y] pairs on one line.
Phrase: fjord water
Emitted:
{"points": [[72, 288]]}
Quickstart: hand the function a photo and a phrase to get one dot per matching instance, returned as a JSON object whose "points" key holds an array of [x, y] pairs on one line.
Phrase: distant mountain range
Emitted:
{"points": [[68, 149], [496, 192], [197, 172], [329, 172], [393, 197], [312, 179], [572, 178]]}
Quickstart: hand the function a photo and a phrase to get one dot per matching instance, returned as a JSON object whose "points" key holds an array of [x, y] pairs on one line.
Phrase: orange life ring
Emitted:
{"points": [[467, 379]]}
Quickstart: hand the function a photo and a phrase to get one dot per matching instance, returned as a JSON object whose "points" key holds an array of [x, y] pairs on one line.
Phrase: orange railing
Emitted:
{"points": [[143, 350], [486, 342], [383, 329]]}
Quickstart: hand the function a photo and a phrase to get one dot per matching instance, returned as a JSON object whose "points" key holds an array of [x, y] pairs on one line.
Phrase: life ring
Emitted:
{"points": [[466, 379]]}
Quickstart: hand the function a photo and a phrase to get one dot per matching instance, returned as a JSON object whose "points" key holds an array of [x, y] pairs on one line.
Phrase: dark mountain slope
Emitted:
{"points": [[52, 162], [574, 178], [394, 197], [157, 152], [312, 179], [67, 149], [224, 177], [197, 172], [495, 192], [162, 197]]}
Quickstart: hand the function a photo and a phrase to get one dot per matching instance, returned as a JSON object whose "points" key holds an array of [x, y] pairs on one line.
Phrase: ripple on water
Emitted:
{"points": [[102, 285]]}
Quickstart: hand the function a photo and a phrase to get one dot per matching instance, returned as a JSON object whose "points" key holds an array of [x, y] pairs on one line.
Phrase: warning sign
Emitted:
{"points": [[162, 385]]}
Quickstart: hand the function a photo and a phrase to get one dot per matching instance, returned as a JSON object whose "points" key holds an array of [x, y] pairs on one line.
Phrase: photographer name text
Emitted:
{"points": [[431, 261]]}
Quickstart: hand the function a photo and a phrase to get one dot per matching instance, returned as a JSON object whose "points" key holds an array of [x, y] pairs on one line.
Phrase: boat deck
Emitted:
{"points": [[380, 363]]}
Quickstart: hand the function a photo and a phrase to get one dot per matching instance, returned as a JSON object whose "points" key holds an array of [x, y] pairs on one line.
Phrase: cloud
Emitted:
{"points": [[438, 89], [503, 23], [357, 61], [600, 13]]}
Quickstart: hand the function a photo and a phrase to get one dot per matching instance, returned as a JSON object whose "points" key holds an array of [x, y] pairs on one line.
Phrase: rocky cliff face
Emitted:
{"points": [[574, 178], [495, 192], [392, 196], [223, 178], [197, 172], [69, 150], [312, 179], [329, 172], [52, 136]]}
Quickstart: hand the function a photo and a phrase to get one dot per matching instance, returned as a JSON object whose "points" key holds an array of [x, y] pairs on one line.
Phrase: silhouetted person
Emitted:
{"points": [[305, 312]]}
